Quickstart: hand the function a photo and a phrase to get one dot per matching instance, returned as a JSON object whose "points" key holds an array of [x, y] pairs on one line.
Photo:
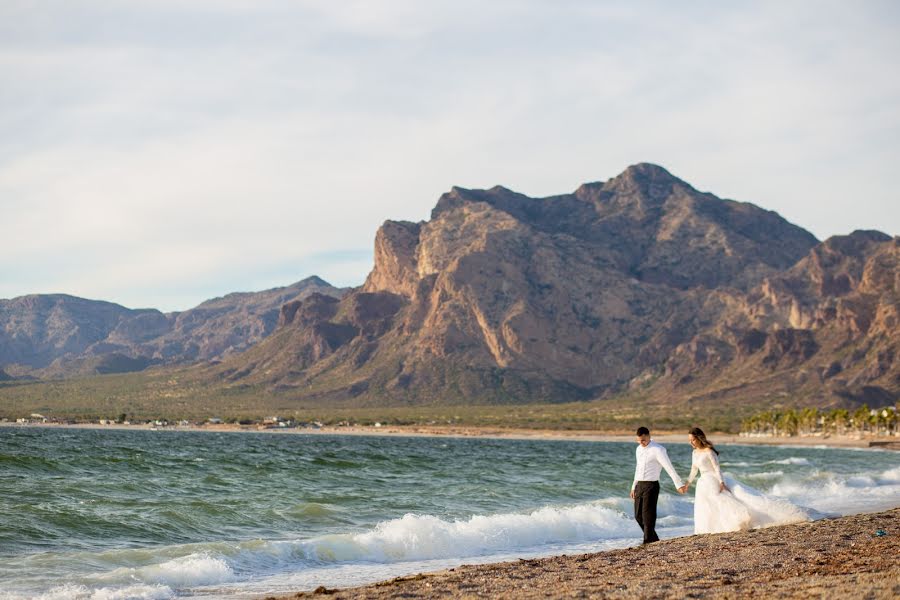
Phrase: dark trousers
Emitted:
{"points": [[646, 493]]}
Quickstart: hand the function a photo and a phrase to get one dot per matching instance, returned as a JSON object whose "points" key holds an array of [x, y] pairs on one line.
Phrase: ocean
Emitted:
{"points": [[115, 514]]}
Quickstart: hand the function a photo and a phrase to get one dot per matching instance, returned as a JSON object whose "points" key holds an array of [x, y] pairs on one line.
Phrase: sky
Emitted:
{"points": [[158, 153]]}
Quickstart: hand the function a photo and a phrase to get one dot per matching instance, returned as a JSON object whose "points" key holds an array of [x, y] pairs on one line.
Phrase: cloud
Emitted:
{"points": [[158, 153]]}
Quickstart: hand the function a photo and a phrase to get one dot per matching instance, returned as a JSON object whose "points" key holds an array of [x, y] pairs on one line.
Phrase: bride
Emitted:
{"points": [[722, 507]]}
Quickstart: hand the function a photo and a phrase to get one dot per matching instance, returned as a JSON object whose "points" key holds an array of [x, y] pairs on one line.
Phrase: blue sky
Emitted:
{"points": [[160, 153]]}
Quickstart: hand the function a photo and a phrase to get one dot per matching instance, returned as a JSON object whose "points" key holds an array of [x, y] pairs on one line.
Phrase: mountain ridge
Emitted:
{"points": [[640, 286], [620, 286], [59, 335]]}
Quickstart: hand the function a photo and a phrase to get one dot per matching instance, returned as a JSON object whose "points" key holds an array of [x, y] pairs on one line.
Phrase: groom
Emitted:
{"points": [[651, 459]]}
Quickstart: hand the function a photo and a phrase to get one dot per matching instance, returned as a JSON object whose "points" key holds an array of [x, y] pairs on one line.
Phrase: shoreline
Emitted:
{"points": [[844, 557], [461, 431]]}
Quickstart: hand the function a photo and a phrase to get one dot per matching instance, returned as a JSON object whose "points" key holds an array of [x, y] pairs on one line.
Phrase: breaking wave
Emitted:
{"points": [[421, 537]]}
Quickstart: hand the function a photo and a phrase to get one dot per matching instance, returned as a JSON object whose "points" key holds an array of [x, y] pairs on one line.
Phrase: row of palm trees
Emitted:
{"points": [[812, 421]]}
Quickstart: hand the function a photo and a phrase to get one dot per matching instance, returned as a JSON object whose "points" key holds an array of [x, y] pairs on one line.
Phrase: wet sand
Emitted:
{"points": [[830, 558]]}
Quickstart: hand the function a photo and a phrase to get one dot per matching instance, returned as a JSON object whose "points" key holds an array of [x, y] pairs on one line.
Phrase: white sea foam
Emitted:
{"points": [[891, 476], [134, 592], [830, 493], [793, 460], [81, 592], [764, 475], [420, 537], [179, 573]]}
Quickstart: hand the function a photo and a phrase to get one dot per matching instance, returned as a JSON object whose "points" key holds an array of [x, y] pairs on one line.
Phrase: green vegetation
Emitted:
{"points": [[176, 395], [811, 421]]}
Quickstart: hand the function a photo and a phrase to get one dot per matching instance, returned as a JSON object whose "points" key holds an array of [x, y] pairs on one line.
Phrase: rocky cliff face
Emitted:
{"points": [[638, 283], [826, 330], [60, 335]]}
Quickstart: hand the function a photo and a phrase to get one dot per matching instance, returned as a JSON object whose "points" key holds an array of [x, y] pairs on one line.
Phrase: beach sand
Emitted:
{"points": [[664, 437], [829, 558], [464, 431]]}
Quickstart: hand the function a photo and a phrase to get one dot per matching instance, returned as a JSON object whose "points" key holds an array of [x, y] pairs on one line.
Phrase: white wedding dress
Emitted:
{"points": [[741, 508]]}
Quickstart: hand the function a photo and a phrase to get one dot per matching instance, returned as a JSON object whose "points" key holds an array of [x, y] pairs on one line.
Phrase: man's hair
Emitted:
{"points": [[643, 431]]}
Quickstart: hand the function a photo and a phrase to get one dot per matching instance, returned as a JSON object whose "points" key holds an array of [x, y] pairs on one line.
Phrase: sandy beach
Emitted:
{"points": [[831, 558], [462, 431], [616, 436]]}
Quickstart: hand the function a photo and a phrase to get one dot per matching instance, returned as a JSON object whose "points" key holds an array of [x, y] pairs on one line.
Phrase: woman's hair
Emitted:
{"points": [[701, 439]]}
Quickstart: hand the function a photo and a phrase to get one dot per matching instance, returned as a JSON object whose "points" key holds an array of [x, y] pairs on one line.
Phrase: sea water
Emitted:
{"points": [[109, 514]]}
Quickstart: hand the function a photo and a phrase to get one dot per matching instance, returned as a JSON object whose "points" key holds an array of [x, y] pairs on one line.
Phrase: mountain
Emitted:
{"points": [[56, 335], [640, 284], [827, 330], [640, 288]]}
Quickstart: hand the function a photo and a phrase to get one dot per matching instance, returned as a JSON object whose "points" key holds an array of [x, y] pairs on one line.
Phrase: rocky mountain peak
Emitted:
{"points": [[642, 185], [458, 197], [835, 267], [644, 174], [651, 225], [396, 258], [856, 244]]}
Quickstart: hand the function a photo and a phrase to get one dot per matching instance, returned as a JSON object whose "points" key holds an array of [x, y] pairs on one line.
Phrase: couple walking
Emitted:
{"points": [[717, 507]]}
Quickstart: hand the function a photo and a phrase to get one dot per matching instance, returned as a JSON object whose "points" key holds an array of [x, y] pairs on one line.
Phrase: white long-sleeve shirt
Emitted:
{"points": [[651, 459]]}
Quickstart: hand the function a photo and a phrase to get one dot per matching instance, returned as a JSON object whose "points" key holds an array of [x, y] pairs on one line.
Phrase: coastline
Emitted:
{"points": [[831, 558], [462, 431]]}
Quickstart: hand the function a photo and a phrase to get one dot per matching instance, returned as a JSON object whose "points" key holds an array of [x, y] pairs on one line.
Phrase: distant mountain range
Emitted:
{"points": [[56, 335], [639, 285]]}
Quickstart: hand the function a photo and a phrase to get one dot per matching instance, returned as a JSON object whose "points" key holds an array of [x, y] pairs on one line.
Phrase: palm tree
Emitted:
{"points": [[840, 417], [826, 420], [861, 419], [808, 420], [750, 424], [890, 420], [789, 422], [768, 422]]}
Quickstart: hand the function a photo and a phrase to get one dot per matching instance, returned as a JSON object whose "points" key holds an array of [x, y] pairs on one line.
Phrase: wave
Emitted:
{"points": [[80, 592], [764, 475], [149, 582], [423, 537], [793, 460], [166, 572], [186, 571], [843, 494]]}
